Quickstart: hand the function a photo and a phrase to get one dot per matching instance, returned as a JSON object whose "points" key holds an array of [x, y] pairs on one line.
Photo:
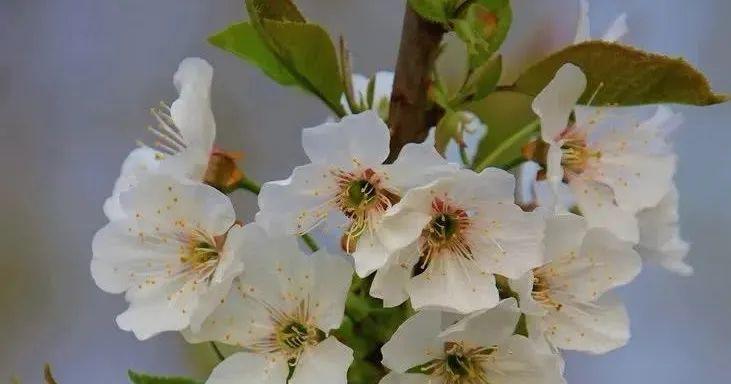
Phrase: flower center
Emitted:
{"points": [[292, 333], [363, 198], [576, 153], [201, 252], [460, 365], [293, 336], [542, 289], [445, 233]]}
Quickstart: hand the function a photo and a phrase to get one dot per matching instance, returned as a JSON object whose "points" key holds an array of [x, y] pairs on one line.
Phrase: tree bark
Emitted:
{"points": [[419, 47]]}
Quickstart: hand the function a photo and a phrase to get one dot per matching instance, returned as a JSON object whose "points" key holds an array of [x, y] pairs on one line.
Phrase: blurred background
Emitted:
{"points": [[77, 78]]}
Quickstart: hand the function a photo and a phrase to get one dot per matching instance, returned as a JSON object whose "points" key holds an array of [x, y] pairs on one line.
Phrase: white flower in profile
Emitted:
{"points": [[449, 237], [481, 348], [567, 300], [347, 181], [185, 133], [615, 32], [280, 312], [614, 163], [378, 99], [660, 240], [174, 252]]}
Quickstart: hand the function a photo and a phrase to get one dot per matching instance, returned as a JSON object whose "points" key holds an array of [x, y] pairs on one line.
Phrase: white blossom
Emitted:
{"points": [[447, 239], [615, 163], [184, 135], [346, 182], [660, 240], [280, 312], [481, 348], [174, 251], [567, 300]]}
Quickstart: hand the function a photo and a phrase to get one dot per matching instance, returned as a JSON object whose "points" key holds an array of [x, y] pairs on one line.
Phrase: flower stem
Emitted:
{"points": [[529, 129], [220, 355], [408, 111]]}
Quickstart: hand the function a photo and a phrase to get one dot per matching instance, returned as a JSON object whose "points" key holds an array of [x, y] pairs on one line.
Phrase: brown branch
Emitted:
{"points": [[419, 47]]}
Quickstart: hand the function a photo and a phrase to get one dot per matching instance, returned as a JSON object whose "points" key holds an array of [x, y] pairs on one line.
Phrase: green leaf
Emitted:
{"points": [[308, 53], [141, 378], [446, 130], [483, 79], [483, 26], [510, 124], [432, 10], [280, 10], [243, 41], [622, 75]]}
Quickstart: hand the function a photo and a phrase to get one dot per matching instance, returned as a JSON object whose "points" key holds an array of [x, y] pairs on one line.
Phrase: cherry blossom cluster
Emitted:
{"points": [[499, 289]]}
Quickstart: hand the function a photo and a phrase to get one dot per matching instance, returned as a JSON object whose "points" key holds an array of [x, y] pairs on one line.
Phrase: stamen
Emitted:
{"points": [[446, 233]]}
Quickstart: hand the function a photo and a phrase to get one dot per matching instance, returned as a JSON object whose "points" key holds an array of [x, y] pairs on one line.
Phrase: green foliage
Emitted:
{"points": [[365, 328], [481, 81], [621, 75], [286, 48], [510, 124], [140, 378], [243, 41], [483, 26], [432, 10]]}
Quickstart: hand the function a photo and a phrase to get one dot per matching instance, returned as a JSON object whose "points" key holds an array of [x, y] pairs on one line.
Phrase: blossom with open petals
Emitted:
{"points": [[615, 163], [447, 239], [280, 312], [184, 135], [174, 252], [481, 348], [348, 185], [567, 300]]}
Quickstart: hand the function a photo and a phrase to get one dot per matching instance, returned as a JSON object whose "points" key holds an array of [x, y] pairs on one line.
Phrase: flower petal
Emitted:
{"points": [[191, 112], [332, 276], [326, 362], [299, 203], [596, 202], [415, 342], [454, 285], [391, 281], [486, 327], [354, 140], [416, 165], [556, 101], [518, 362], [595, 327], [250, 368], [660, 240]]}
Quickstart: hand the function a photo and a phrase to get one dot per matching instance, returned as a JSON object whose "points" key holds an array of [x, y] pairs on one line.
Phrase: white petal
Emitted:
{"points": [[415, 342], [147, 318], [356, 139], [523, 286], [595, 327], [384, 85], [546, 195], [192, 110], [455, 285], [637, 181], [660, 240], [583, 29], [327, 362], [555, 102], [417, 165], [297, 204], [617, 30], [596, 202], [391, 281], [564, 234], [506, 240], [250, 368], [370, 254], [332, 275], [518, 362], [163, 199], [138, 164], [485, 327]]}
